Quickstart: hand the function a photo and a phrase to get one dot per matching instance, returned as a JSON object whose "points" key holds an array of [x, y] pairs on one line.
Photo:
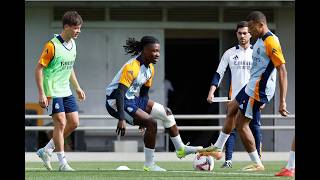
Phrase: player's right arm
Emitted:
{"points": [[43, 101], [217, 77], [120, 93], [126, 79], [44, 60]]}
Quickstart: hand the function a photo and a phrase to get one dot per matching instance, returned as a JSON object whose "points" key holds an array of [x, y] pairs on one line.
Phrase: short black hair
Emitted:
{"points": [[242, 24], [257, 16], [134, 47], [71, 18]]}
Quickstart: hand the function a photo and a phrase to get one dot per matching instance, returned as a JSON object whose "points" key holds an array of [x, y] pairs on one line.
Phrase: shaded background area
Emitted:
{"points": [[190, 64]]}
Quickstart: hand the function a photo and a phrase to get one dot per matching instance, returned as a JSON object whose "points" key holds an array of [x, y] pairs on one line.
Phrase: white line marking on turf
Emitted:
{"points": [[230, 173], [251, 174], [35, 169], [169, 171]]}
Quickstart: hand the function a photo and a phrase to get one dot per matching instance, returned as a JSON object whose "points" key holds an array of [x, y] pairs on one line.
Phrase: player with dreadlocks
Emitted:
{"points": [[123, 103]]}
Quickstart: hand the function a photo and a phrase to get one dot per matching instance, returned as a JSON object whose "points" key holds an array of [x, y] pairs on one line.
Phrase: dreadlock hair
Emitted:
{"points": [[134, 47]]}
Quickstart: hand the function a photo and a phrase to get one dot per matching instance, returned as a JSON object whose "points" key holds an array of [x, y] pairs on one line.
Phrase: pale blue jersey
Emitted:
{"points": [[267, 55], [134, 74]]}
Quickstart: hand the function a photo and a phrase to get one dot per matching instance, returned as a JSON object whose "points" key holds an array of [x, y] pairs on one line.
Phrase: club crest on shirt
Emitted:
{"points": [[130, 109], [56, 106]]}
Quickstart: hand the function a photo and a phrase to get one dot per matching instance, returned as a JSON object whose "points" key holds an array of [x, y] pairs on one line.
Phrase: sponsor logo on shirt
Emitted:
{"points": [[235, 57], [66, 64]]}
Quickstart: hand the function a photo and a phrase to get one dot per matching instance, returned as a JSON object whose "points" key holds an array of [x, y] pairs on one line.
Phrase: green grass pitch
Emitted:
{"points": [[175, 170]]}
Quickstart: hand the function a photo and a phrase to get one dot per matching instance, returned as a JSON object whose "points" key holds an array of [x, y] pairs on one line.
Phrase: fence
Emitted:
{"points": [[131, 129], [160, 128]]}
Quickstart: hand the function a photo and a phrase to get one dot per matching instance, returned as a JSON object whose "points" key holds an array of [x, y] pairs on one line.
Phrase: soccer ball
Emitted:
{"points": [[203, 163]]}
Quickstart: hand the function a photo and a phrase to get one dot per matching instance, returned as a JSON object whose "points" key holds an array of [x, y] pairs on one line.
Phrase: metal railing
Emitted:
{"points": [[132, 129], [160, 128]]}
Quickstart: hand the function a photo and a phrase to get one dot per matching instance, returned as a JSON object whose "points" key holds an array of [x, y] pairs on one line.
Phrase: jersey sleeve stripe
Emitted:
{"points": [[273, 51]]}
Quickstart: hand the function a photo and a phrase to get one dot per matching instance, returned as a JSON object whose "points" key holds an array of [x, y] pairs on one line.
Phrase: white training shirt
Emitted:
{"points": [[239, 61]]}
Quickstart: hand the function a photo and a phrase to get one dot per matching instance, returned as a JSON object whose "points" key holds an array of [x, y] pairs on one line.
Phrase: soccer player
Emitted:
{"points": [[239, 60], [53, 74], [289, 170], [267, 61], [123, 102]]}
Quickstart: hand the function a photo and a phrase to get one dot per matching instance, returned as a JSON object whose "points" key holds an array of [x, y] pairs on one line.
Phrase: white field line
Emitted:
{"points": [[170, 171]]}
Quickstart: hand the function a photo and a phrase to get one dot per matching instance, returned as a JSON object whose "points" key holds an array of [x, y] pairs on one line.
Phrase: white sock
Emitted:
{"points": [[254, 156], [222, 139], [177, 142], [50, 146], [62, 158], [291, 162], [149, 156]]}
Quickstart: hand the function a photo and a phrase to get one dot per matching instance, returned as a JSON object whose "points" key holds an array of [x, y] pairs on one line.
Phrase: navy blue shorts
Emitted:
{"points": [[130, 107], [249, 107], [64, 104]]}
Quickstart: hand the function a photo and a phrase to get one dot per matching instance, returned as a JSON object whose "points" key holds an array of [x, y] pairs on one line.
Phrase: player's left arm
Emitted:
{"points": [[283, 84], [73, 79], [274, 51], [144, 90]]}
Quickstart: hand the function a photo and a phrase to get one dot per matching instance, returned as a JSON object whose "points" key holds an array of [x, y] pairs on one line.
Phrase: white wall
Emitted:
{"points": [[100, 55], [285, 19], [37, 32]]}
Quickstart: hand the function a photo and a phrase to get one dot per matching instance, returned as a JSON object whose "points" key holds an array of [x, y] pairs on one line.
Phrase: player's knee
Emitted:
{"points": [[160, 112], [60, 124], [242, 127], [74, 125]]}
